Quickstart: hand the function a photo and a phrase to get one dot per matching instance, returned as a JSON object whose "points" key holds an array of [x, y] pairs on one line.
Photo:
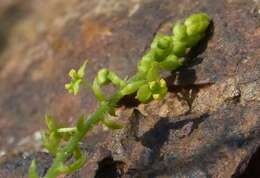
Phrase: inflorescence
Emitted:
{"points": [[166, 52]]}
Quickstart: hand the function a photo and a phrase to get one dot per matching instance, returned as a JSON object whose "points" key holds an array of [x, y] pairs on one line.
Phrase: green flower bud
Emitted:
{"points": [[146, 61], [161, 47], [155, 41], [197, 23], [76, 79], [165, 42], [179, 31], [158, 89], [160, 54], [73, 73], [171, 63], [179, 48]]}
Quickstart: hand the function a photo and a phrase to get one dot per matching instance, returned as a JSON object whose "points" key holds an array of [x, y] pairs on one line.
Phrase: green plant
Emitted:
{"points": [[166, 53]]}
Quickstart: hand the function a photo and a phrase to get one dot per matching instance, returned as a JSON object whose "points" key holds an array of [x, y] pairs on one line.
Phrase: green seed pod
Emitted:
{"points": [[165, 42], [179, 31], [161, 47], [131, 87], [144, 93], [197, 23], [115, 79], [171, 63], [160, 54]]}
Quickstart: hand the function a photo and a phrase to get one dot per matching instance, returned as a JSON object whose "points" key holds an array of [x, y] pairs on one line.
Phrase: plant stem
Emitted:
{"points": [[65, 152]]}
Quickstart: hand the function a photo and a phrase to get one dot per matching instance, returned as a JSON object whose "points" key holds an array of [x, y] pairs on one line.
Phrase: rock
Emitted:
{"points": [[208, 125]]}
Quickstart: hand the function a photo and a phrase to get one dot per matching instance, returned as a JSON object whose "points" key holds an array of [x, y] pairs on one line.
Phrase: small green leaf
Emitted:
{"points": [[112, 124], [52, 143], [80, 161], [33, 170], [51, 123], [76, 86], [81, 71]]}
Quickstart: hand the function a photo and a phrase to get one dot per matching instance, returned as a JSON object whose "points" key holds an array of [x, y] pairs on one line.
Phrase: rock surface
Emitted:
{"points": [[208, 125]]}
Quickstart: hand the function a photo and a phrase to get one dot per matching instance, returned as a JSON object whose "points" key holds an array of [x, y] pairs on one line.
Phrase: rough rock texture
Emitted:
{"points": [[208, 125]]}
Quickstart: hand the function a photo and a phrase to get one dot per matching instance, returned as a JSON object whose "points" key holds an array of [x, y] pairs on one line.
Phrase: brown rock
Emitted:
{"points": [[207, 126]]}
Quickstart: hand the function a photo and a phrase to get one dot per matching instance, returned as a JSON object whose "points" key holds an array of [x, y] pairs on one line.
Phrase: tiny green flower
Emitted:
{"points": [[158, 88], [77, 78]]}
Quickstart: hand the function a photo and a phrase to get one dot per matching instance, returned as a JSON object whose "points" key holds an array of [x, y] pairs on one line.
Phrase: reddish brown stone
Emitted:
{"points": [[208, 125]]}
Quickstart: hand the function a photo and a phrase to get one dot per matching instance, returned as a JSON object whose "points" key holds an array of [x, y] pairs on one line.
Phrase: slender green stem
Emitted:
{"points": [[65, 152]]}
